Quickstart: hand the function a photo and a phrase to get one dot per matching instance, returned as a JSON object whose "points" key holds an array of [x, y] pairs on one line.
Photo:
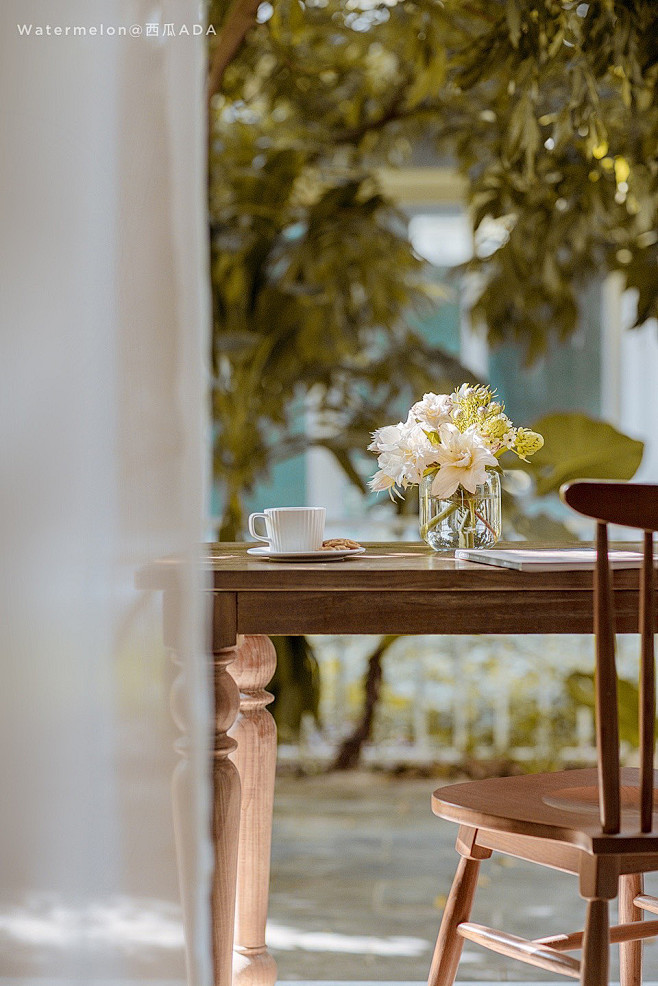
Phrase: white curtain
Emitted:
{"points": [[104, 324]]}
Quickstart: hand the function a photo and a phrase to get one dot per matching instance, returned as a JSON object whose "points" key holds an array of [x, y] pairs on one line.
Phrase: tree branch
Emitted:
{"points": [[395, 113], [241, 18], [349, 753]]}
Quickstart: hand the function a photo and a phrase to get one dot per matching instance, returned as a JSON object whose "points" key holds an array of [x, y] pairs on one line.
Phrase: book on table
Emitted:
{"points": [[546, 559]]}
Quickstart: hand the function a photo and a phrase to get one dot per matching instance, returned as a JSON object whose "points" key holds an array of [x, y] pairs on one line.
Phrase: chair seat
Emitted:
{"points": [[561, 806]]}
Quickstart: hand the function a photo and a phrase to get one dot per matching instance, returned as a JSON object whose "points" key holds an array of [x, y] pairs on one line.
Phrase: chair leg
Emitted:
{"points": [[449, 944], [630, 953], [596, 945]]}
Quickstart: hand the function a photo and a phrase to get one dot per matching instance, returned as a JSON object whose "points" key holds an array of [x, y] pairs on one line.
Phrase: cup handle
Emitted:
{"points": [[252, 527]]}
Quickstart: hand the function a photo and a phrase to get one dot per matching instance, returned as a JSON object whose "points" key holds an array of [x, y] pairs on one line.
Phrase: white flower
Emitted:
{"points": [[495, 431], [382, 480], [468, 390], [433, 410], [462, 459], [454, 437], [405, 451], [386, 439], [509, 439]]}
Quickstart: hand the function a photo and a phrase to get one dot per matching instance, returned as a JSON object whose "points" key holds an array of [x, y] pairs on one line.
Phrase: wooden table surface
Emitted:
{"points": [[406, 588]]}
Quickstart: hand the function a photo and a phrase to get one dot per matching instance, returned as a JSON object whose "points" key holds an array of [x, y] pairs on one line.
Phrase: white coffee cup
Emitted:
{"points": [[289, 529]]}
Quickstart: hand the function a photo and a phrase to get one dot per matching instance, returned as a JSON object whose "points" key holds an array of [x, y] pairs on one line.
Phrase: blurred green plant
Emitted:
{"points": [[577, 446], [580, 689], [311, 308], [295, 686], [548, 109], [562, 151]]}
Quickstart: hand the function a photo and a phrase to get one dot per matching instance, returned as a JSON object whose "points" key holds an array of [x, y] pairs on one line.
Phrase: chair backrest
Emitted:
{"points": [[629, 505]]}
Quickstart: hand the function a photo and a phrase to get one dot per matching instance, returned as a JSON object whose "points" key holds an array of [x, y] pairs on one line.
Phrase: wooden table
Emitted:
{"points": [[393, 588]]}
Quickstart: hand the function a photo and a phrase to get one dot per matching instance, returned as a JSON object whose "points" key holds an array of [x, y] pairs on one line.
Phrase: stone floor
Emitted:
{"points": [[360, 870]]}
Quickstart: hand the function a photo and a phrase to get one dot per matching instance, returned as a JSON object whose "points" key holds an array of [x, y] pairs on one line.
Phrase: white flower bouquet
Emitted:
{"points": [[449, 444]]}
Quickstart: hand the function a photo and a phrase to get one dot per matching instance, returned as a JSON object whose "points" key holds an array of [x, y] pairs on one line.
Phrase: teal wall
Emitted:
{"points": [[285, 488], [566, 380], [442, 326]]}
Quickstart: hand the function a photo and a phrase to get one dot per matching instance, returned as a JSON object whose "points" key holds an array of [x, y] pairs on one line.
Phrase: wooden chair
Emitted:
{"points": [[598, 824]]}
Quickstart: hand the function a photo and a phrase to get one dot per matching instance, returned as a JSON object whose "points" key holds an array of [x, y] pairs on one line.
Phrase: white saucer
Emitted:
{"points": [[325, 555]]}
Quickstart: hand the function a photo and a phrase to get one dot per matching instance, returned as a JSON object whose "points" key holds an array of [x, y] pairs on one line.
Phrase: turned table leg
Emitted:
{"points": [[225, 801], [225, 819], [255, 758]]}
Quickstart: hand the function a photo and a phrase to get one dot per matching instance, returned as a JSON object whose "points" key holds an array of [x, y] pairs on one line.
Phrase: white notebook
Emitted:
{"points": [[546, 559]]}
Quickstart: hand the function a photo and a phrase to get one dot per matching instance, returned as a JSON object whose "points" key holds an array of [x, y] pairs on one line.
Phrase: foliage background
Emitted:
{"points": [[547, 109]]}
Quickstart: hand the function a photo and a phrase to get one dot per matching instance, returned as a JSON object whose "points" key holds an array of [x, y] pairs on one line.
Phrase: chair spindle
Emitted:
{"points": [[607, 725], [647, 699]]}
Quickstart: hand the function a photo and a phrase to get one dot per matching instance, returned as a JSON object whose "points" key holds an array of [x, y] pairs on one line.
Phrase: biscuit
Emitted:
{"points": [[340, 544]]}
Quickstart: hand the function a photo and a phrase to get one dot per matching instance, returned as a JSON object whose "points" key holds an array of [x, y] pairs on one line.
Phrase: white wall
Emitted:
{"points": [[630, 374]]}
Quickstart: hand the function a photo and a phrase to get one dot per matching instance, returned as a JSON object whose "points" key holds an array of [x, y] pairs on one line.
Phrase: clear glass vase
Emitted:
{"points": [[463, 520]]}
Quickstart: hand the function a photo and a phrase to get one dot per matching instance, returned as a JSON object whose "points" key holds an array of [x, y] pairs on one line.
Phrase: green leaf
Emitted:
{"points": [[513, 15], [580, 688], [579, 447]]}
